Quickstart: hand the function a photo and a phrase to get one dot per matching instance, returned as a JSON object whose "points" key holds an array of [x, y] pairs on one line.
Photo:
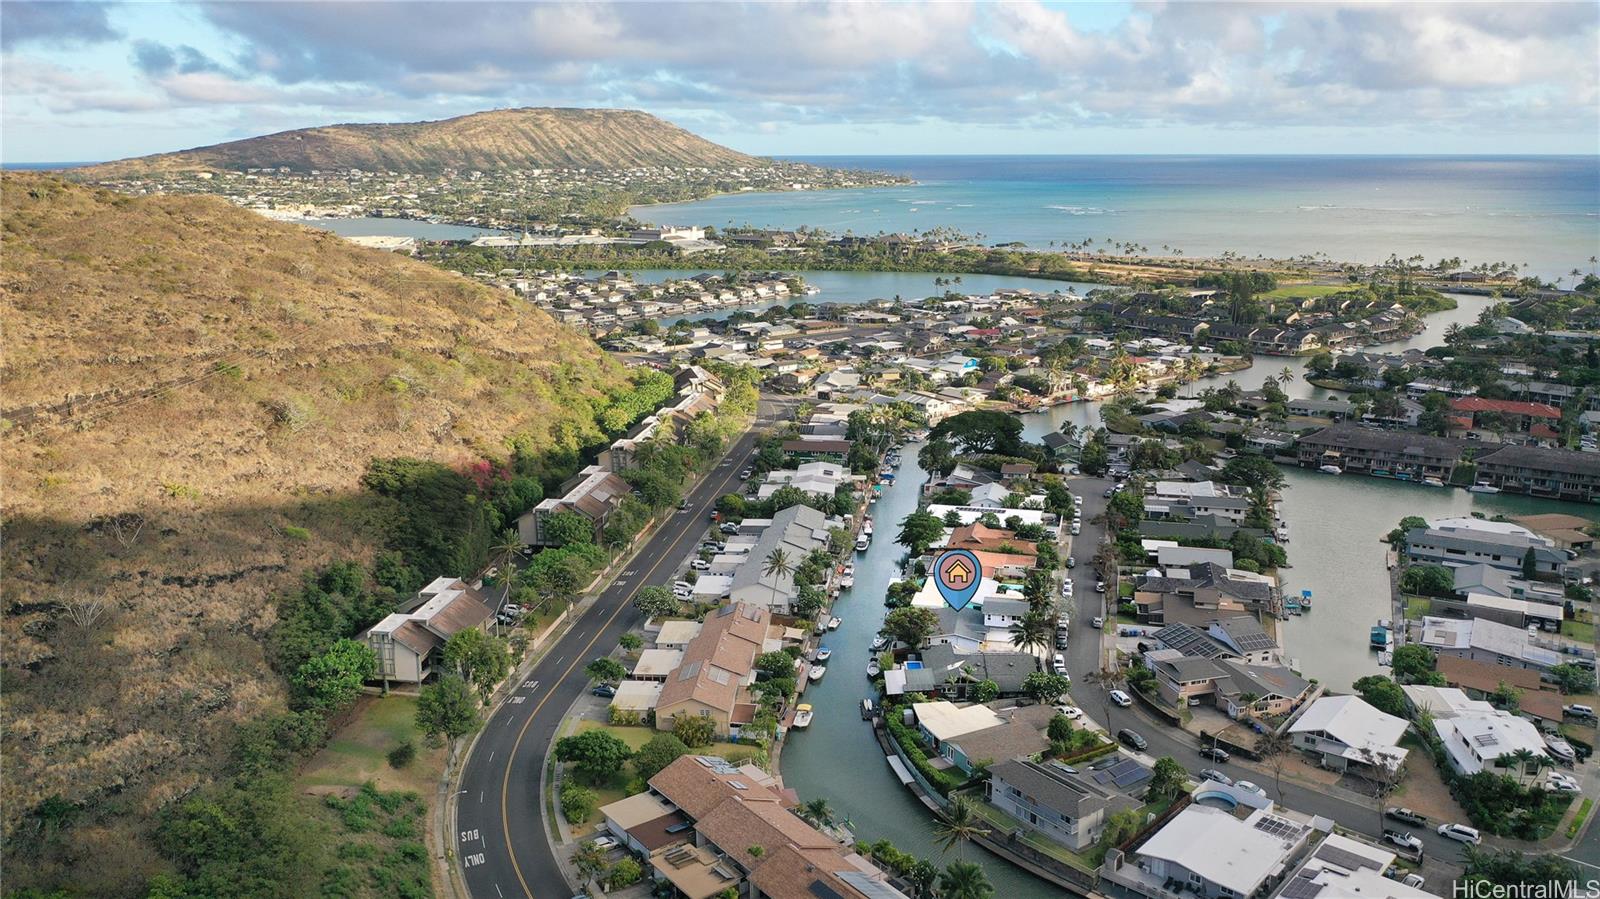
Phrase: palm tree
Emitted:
{"points": [[1031, 632], [964, 880], [818, 812], [777, 567], [959, 825], [1286, 376]]}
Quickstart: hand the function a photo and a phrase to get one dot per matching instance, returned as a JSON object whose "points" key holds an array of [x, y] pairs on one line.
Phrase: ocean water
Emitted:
{"points": [[1541, 213]]}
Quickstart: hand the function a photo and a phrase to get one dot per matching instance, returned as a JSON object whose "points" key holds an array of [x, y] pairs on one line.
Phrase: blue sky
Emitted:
{"points": [[88, 81]]}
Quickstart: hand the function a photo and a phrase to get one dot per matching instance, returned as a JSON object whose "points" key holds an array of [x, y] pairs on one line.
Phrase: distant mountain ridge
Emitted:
{"points": [[496, 140]]}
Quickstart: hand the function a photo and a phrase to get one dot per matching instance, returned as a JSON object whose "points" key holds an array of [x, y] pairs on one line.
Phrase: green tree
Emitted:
{"points": [[1060, 729], [331, 681], [1530, 564], [777, 566], [818, 812], [625, 872], [1382, 694], [1414, 664], [578, 803], [605, 670], [694, 730], [1428, 580], [1573, 679], [448, 707], [656, 754], [910, 625], [1032, 632], [959, 824], [596, 755], [655, 602], [630, 642], [480, 659], [964, 880], [919, 530], [1168, 780], [937, 457], [1045, 686], [565, 527], [984, 691], [588, 858]]}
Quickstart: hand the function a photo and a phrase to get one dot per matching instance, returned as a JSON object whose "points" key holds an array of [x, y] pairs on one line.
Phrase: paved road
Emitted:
{"points": [[1083, 658], [500, 831]]}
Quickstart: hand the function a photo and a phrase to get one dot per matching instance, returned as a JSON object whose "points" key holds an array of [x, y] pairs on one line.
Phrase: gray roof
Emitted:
{"points": [[1515, 544], [1351, 436], [1561, 461], [1245, 632], [1262, 680], [798, 530], [1052, 786], [1013, 607], [1185, 669]]}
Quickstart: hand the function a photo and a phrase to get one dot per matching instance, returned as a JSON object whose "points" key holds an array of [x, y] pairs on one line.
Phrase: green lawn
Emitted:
{"points": [[359, 751], [636, 737], [1582, 631], [1418, 606], [1002, 821], [1303, 291]]}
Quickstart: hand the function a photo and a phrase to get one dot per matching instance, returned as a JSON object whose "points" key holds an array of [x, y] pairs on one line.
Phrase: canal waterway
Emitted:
{"points": [[1334, 526]]}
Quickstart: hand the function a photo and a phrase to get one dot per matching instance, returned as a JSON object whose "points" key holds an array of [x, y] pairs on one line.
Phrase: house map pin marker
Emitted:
{"points": [[957, 574]]}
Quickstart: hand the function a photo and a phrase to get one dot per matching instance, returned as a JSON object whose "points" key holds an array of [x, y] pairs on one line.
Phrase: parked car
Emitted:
{"points": [[1107, 493], [1218, 776], [729, 527], [684, 506], [605, 690], [1413, 880], [1578, 710], [1059, 663], [606, 843], [746, 473], [1403, 840], [1215, 754], [700, 565], [1460, 832], [1557, 782], [683, 592], [1098, 622], [1071, 562], [1120, 698], [1076, 529], [1247, 785], [1099, 586], [1132, 739], [1072, 712], [1401, 813]]}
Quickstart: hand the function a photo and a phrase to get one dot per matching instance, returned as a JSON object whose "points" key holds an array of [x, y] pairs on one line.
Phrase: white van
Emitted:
{"points": [[1460, 832]]}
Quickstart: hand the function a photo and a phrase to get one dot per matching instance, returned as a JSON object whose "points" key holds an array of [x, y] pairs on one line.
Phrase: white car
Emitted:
{"points": [[1556, 782], [1071, 711], [606, 844], [1098, 622], [1247, 785], [1059, 663], [1099, 586], [1076, 530], [700, 565], [1121, 698], [683, 591], [1460, 832]]}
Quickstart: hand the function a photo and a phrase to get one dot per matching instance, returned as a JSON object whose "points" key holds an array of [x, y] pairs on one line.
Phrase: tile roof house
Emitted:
{"points": [[1021, 734], [717, 667], [408, 643], [980, 537]]}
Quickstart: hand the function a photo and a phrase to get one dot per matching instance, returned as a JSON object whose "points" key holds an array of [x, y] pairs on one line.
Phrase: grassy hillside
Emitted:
{"points": [[190, 396], [497, 140]]}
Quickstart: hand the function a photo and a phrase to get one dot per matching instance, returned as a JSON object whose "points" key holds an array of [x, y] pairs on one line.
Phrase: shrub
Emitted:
{"points": [[577, 803], [693, 730], [403, 755]]}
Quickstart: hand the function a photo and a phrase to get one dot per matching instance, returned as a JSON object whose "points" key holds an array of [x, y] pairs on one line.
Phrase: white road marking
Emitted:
{"points": [[480, 797], [497, 889], [491, 756], [560, 660]]}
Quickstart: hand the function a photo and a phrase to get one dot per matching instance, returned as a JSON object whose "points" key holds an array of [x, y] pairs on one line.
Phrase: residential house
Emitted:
{"points": [[1215, 852], [969, 736], [409, 643], [1192, 499], [1486, 580], [1471, 541], [797, 531], [1384, 453], [1536, 697], [594, 493], [1344, 732], [951, 674], [1344, 867], [1233, 687], [1537, 471], [718, 666], [1484, 640], [817, 478], [1055, 801]]}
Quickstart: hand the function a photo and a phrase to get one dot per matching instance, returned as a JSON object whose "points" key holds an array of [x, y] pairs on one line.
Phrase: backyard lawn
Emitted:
{"points": [[359, 751], [1582, 631]]}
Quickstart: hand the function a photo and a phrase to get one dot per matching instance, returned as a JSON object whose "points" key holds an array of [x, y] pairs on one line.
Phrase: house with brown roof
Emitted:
{"points": [[718, 666], [594, 493], [980, 537], [408, 643], [744, 833]]}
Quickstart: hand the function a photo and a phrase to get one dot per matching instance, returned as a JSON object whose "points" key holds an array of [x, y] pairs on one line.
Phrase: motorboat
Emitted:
{"points": [[873, 668], [880, 643], [1432, 482], [866, 526], [1331, 469], [862, 542], [817, 671], [833, 623], [847, 581], [802, 716], [823, 654], [1483, 488]]}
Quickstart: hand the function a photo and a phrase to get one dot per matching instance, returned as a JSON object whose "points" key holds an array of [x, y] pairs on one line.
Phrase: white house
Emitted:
{"points": [[821, 478], [1344, 731], [1478, 740], [407, 643]]}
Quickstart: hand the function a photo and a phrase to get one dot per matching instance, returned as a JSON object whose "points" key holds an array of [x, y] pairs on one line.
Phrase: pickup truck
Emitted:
{"points": [[1404, 842]]}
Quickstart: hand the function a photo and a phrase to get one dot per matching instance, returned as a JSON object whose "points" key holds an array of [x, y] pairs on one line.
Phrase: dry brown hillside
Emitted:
{"points": [[498, 140], [190, 394]]}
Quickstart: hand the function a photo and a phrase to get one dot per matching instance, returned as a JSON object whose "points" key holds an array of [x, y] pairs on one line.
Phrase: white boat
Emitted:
{"points": [[880, 643], [1483, 488], [1432, 482], [847, 581], [866, 526], [874, 669], [823, 654], [1331, 469], [817, 671], [862, 542], [833, 623], [802, 716]]}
